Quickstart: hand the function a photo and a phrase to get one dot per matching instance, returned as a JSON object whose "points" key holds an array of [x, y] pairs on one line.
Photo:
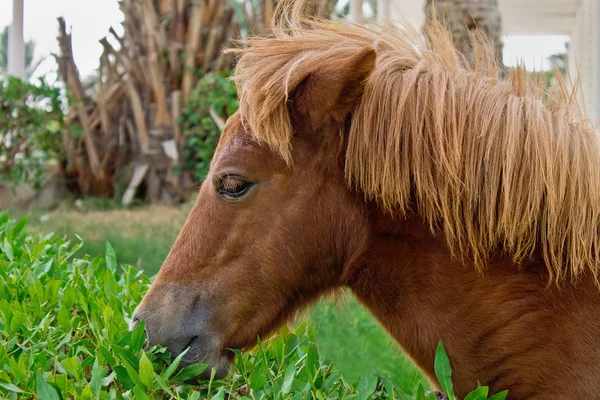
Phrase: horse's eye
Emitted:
{"points": [[233, 188]]}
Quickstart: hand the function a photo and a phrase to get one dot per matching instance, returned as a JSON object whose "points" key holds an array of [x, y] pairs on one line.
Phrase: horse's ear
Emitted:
{"points": [[334, 89]]}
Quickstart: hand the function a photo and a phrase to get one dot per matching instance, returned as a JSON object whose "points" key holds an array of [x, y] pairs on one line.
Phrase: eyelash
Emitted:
{"points": [[233, 188]]}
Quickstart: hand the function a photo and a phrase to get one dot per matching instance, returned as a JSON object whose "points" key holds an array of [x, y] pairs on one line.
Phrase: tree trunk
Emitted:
{"points": [[463, 17]]}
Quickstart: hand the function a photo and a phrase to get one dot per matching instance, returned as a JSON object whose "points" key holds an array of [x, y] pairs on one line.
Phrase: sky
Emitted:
{"points": [[91, 19]]}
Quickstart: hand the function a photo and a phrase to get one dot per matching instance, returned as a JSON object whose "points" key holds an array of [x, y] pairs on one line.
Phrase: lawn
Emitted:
{"points": [[345, 332], [141, 237]]}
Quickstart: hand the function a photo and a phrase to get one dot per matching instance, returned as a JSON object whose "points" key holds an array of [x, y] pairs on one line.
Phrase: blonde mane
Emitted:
{"points": [[494, 164]]}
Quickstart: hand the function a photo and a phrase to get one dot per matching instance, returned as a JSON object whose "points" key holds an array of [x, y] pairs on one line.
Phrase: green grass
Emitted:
{"points": [[141, 237], [347, 334]]}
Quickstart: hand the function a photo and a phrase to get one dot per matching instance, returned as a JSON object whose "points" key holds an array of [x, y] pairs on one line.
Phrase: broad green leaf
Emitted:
{"points": [[138, 337], [220, 394], [62, 384], [163, 385], [86, 394], [194, 396], [20, 225], [299, 396], [127, 357], [68, 298], [140, 394], [191, 371], [443, 371], [420, 393], [18, 371], [7, 250], [288, 378], [10, 387], [366, 386], [312, 358], [134, 375], [123, 377], [43, 389], [110, 284], [481, 393], [173, 367], [72, 366], [146, 371], [110, 258], [389, 385], [109, 379], [258, 379], [108, 357], [17, 321], [499, 396], [96, 381], [64, 318]]}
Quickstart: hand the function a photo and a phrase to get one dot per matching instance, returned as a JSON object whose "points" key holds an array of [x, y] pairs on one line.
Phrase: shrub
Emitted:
{"points": [[64, 334], [30, 129], [214, 91]]}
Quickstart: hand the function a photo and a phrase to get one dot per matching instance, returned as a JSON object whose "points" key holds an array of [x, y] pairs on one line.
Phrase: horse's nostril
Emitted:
{"points": [[191, 342], [135, 321]]}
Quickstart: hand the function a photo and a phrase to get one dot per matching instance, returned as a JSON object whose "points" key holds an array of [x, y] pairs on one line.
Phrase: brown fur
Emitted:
{"points": [[375, 161]]}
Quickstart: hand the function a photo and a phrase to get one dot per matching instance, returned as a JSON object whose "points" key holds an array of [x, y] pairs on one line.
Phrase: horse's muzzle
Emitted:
{"points": [[173, 321]]}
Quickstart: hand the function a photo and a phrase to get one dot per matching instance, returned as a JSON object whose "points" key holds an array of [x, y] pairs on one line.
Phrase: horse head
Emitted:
{"points": [[266, 236]]}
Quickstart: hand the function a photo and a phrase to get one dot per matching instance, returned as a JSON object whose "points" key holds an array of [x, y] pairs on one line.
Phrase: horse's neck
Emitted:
{"points": [[421, 295], [406, 285]]}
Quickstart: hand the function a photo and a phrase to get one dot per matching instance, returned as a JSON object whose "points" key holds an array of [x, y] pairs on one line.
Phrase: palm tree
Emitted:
{"points": [[466, 16], [30, 63]]}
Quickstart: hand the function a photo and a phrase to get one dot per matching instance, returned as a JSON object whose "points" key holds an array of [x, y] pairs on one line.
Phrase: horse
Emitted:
{"points": [[457, 201]]}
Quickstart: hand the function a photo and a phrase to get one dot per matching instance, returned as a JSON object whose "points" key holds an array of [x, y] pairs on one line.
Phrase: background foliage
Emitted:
{"points": [[31, 121], [214, 91]]}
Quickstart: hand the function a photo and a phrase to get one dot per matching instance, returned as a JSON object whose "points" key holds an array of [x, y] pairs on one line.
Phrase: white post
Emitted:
{"points": [[383, 10], [356, 14], [595, 103], [16, 42]]}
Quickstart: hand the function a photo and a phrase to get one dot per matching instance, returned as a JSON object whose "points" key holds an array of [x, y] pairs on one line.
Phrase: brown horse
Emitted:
{"points": [[455, 205]]}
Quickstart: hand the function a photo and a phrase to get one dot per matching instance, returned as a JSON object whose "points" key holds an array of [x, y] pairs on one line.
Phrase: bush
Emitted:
{"points": [[64, 334], [31, 120], [216, 91]]}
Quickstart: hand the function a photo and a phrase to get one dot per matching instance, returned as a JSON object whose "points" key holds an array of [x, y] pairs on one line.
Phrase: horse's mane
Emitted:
{"points": [[495, 164]]}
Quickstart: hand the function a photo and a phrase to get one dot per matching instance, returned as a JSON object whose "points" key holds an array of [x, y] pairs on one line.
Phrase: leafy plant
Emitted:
{"points": [[214, 94], [443, 372], [64, 334], [31, 122]]}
